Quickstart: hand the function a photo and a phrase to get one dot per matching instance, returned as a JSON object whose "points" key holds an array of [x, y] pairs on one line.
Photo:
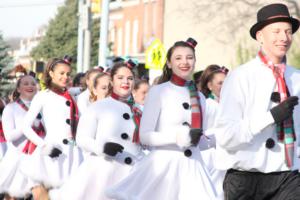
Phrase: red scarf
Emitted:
{"points": [[39, 130], [137, 114], [2, 137], [74, 117], [194, 98], [285, 130]]}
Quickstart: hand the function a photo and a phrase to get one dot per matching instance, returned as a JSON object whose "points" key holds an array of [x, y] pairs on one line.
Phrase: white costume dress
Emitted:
{"points": [[12, 181], [209, 155], [3, 145], [244, 122], [166, 173], [104, 121], [83, 101], [42, 169]]}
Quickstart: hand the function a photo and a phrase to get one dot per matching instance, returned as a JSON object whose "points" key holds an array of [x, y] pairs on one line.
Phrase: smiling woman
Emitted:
{"points": [[12, 181], [174, 168], [109, 132], [56, 156]]}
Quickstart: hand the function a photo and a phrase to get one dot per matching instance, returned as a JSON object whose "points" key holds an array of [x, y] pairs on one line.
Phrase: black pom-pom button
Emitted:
{"points": [[188, 153], [275, 97], [186, 105], [68, 121], [185, 124], [68, 103], [270, 143], [39, 116], [124, 136], [65, 141], [126, 116], [128, 160]]}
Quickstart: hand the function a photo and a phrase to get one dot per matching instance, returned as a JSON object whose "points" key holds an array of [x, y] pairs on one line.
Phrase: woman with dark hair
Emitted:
{"points": [[12, 181], [171, 126], [108, 130], [78, 85], [211, 82], [78, 80], [56, 155]]}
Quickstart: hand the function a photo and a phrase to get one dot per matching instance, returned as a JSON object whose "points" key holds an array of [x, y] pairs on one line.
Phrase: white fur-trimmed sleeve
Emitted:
{"points": [[34, 109], [148, 132], [87, 130], [11, 132], [234, 125]]}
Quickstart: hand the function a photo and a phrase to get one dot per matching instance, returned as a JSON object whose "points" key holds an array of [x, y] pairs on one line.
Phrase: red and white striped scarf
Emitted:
{"points": [[285, 130], [194, 99], [40, 131]]}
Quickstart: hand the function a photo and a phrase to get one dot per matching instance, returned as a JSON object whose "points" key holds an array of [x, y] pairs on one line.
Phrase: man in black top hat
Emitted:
{"points": [[258, 130]]}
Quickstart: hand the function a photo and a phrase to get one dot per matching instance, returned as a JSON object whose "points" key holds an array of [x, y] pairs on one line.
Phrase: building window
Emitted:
{"points": [[120, 42], [127, 37], [112, 35], [135, 36]]}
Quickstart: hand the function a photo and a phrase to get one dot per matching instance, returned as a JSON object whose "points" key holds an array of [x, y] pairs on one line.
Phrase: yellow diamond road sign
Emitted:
{"points": [[155, 55]]}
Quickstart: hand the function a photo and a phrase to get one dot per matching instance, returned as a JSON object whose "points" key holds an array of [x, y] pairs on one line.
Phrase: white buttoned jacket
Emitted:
{"points": [[12, 120], [55, 111], [107, 120], [166, 111], [244, 122]]}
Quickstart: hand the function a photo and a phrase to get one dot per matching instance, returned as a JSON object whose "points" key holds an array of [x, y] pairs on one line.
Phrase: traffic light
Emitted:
{"points": [[96, 6]]}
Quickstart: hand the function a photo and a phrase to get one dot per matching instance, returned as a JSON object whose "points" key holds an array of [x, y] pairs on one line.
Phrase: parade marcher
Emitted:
{"points": [[83, 99], [196, 77], [171, 126], [139, 92], [210, 83], [12, 181], [258, 120], [3, 145], [109, 131], [101, 87], [78, 85], [78, 80], [56, 155]]}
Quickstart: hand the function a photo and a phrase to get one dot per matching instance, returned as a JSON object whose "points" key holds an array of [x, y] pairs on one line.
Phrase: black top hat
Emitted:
{"points": [[68, 59], [193, 43], [130, 64], [273, 13]]}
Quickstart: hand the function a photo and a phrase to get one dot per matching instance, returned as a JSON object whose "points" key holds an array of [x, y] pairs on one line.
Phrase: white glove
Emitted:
{"points": [[298, 151], [183, 138], [47, 149], [54, 151]]}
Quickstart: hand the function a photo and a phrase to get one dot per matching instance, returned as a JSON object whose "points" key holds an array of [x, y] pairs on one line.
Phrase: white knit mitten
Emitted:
{"points": [[183, 138]]}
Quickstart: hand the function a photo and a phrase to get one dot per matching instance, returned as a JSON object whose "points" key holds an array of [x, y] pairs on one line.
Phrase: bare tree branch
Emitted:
{"points": [[228, 17], [294, 4]]}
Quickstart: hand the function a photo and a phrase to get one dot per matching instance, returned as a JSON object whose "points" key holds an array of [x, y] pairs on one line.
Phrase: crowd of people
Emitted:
{"points": [[211, 135]]}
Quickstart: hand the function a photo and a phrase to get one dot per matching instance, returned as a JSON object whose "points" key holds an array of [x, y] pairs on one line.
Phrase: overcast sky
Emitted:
{"points": [[20, 18]]}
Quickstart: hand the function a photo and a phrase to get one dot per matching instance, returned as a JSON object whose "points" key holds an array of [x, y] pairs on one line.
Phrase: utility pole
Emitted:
{"points": [[80, 37], [103, 33], [87, 35]]}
